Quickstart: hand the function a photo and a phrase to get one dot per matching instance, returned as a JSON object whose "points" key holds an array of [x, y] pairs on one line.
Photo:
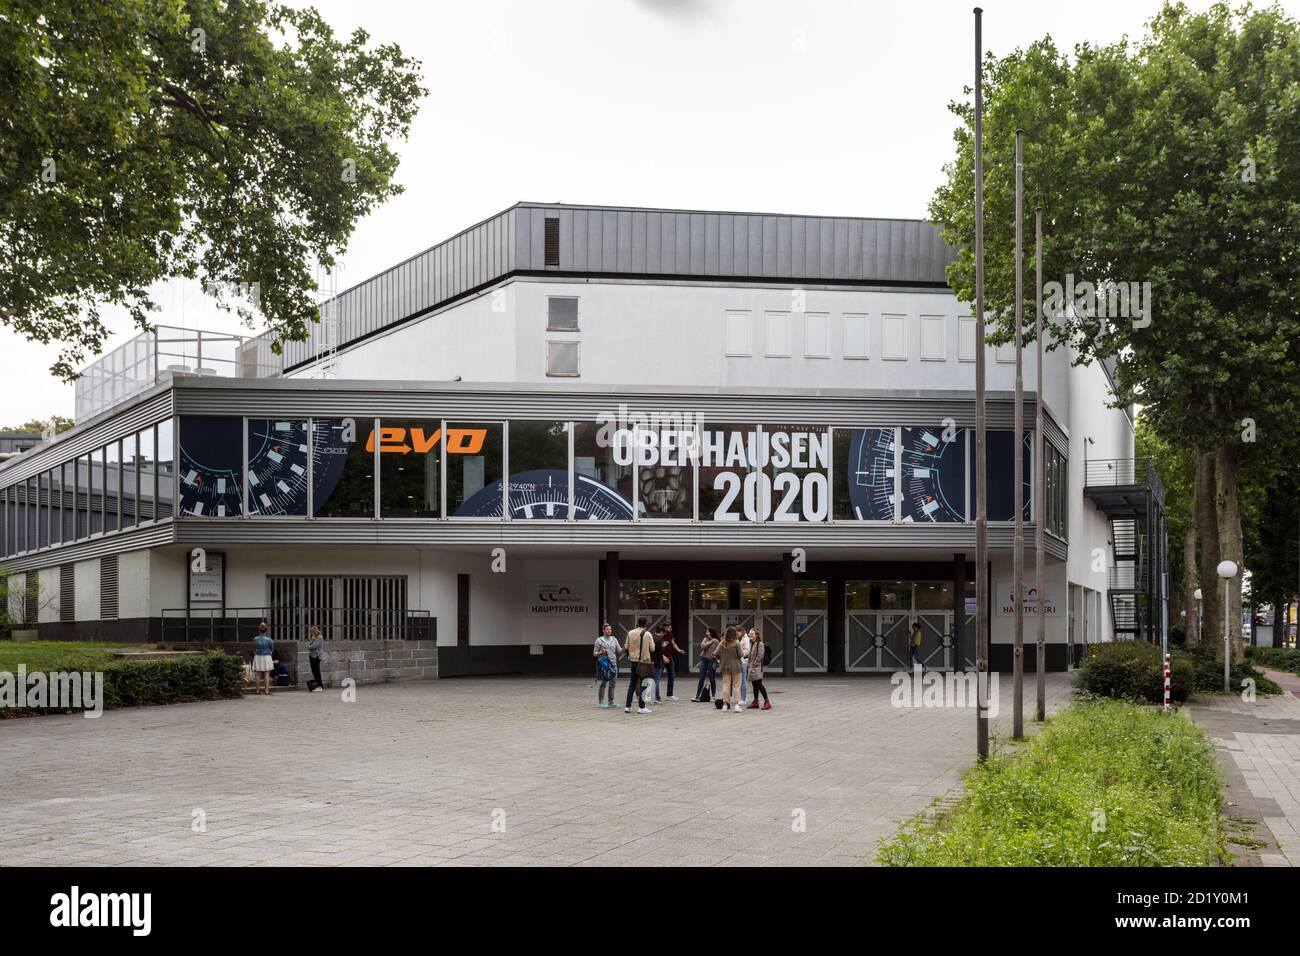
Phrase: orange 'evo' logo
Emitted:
{"points": [[460, 441]]}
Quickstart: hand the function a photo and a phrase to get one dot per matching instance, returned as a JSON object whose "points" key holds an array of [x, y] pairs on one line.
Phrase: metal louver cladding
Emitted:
{"points": [[31, 599], [552, 251], [67, 592], [108, 587], [351, 608]]}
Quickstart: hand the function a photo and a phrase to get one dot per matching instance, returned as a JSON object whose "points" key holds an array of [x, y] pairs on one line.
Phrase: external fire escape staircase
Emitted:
{"points": [[1128, 490]]}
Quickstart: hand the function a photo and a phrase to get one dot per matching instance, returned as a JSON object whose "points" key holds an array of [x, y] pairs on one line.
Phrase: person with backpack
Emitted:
{"points": [[667, 659], [729, 662], [606, 651], [640, 650], [759, 655], [708, 665]]}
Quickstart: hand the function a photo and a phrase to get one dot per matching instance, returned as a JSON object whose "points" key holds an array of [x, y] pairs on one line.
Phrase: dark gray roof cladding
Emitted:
{"points": [[625, 241]]}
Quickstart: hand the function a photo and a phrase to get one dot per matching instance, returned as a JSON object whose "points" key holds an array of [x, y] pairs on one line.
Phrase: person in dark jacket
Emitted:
{"points": [[315, 651], [708, 664]]}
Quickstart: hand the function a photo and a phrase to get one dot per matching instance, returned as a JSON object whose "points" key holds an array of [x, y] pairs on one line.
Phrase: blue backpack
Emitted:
{"points": [[607, 671]]}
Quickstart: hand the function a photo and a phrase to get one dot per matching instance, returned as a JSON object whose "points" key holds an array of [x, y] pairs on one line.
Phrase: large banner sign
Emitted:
{"points": [[769, 474], [613, 469]]}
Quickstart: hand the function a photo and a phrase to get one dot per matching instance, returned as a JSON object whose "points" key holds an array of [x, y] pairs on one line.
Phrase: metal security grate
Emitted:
{"points": [[353, 608], [552, 242], [32, 599], [108, 588], [67, 592]]}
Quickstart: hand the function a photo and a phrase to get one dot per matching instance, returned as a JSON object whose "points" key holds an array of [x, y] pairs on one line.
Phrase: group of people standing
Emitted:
{"points": [[739, 656]]}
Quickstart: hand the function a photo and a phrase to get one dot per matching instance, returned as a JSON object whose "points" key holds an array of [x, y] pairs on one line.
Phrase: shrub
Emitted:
{"points": [[1278, 658], [1133, 670], [1208, 673], [136, 683], [1106, 783]]}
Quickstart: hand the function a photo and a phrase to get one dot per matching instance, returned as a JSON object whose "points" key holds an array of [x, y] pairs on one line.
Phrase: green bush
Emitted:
{"points": [[1278, 658], [1133, 670], [1208, 673], [1106, 783], [137, 683]]}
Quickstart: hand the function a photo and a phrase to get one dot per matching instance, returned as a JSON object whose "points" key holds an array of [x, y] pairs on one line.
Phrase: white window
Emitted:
{"points": [[561, 313], [777, 344], [816, 335], [855, 335], [934, 348], [562, 359], [893, 337], [737, 332], [966, 338]]}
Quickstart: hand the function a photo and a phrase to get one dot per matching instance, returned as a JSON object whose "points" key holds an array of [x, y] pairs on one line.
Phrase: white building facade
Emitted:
{"points": [[567, 415]]}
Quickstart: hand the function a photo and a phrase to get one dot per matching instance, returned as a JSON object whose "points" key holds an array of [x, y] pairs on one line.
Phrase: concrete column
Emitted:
{"points": [[787, 615], [611, 591], [958, 610]]}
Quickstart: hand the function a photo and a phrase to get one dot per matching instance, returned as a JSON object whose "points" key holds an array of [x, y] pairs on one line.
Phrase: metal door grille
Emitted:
{"points": [[349, 608]]}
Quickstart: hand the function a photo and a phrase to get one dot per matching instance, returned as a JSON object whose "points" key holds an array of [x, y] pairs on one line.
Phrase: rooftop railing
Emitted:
{"points": [[164, 352], [1123, 473]]}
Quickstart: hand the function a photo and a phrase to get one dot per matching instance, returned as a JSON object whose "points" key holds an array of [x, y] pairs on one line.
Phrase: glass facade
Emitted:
{"points": [[410, 473], [363, 467]]}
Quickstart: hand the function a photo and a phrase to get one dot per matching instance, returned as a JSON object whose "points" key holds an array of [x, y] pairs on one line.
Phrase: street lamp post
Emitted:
{"points": [[1227, 571], [1199, 636]]}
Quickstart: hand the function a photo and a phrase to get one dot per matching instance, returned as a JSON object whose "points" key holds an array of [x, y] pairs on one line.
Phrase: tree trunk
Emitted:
{"points": [[1230, 540], [1207, 529], [1191, 631]]}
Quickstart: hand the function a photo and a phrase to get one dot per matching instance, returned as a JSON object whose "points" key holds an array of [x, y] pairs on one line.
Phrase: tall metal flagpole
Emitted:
{"points": [[1018, 559], [1040, 501], [981, 475]]}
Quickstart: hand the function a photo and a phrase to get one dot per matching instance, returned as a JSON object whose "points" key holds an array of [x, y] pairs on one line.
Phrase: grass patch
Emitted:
{"points": [[1106, 783], [58, 655]]}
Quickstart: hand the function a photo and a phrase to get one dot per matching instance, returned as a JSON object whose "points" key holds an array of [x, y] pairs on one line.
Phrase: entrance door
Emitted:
{"points": [[876, 640], [642, 599], [810, 643], [878, 625], [746, 604]]}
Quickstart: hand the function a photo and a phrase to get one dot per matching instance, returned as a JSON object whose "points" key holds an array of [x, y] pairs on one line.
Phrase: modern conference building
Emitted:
{"points": [[571, 414]]}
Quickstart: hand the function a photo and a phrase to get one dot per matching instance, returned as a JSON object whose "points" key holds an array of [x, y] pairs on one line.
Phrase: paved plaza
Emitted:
{"points": [[1259, 748], [483, 771]]}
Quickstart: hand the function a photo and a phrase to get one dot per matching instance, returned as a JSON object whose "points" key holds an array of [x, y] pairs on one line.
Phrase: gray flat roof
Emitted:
{"points": [[537, 239]]}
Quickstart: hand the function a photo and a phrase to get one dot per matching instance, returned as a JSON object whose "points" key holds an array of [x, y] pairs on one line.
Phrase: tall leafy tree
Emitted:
{"points": [[1172, 161], [233, 141]]}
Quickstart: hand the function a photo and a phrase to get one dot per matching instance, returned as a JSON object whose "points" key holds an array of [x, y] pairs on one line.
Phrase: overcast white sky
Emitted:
{"points": [[834, 107]]}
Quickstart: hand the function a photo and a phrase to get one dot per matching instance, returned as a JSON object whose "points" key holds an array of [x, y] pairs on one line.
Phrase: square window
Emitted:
{"points": [[561, 314], [778, 335], [893, 337], [855, 335], [562, 359], [966, 338], [933, 346], [816, 335], [737, 333]]}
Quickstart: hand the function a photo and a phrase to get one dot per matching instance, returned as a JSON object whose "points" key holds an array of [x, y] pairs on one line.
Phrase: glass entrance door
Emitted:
{"points": [[760, 604], [878, 624], [647, 599]]}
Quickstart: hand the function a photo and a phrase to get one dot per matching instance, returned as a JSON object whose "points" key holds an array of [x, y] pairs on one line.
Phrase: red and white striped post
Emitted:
{"points": [[1166, 683]]}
